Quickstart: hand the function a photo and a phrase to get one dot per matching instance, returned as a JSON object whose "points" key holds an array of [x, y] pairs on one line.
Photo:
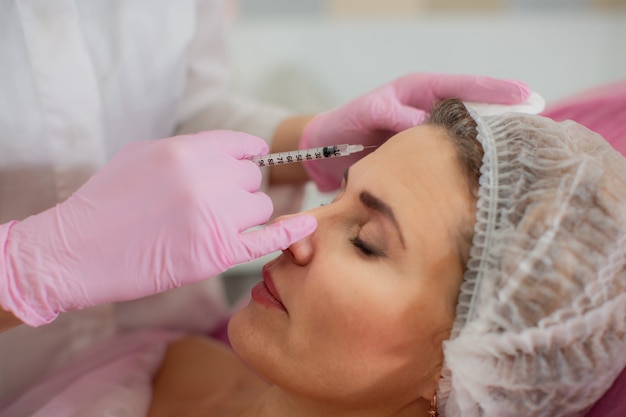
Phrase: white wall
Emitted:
{"points": [[318, 62]]}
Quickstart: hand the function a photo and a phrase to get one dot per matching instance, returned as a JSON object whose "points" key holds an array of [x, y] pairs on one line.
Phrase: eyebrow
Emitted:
{"points": [[376, 204]]}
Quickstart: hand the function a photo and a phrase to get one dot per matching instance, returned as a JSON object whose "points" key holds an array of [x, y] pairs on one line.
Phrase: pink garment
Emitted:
{"points": [[601, 109], [613, 402], [113, 379]]}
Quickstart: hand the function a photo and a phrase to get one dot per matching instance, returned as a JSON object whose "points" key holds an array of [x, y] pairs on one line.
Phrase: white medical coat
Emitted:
{"points": [[79, 79]]}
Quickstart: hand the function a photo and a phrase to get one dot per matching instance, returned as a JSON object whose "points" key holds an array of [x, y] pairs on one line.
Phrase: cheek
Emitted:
{"points": [[369, 336], [356, 309]]}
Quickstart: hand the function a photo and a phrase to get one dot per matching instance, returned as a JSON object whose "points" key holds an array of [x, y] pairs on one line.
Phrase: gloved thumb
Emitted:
{"points": [[276, 236]]}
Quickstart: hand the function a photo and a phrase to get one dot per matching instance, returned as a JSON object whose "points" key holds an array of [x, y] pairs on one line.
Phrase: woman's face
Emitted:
{"points": [[357, 311]]}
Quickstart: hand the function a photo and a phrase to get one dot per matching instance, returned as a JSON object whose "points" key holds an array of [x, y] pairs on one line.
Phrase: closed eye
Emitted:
{"points": [[366, 249]]}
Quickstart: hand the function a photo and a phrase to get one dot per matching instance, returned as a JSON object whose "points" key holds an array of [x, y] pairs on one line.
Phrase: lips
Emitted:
{"points": [[265, 293], [269, 283]]}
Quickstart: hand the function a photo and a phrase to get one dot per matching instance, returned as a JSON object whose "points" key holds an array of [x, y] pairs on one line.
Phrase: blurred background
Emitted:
{"points": [[312, 55]]}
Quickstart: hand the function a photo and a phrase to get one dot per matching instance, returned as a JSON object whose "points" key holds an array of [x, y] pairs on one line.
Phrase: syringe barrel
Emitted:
{"points": [[303, 155]]}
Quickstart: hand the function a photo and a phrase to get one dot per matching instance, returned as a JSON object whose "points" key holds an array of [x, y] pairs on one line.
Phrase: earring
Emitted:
{"points": [[433, 407]]}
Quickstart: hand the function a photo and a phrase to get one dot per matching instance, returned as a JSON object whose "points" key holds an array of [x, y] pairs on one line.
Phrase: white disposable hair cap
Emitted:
{"points": [[540, 327], [534, 104]]}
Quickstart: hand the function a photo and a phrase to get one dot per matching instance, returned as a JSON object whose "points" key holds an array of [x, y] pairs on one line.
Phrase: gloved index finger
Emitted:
{"points": [[482, 89], [424, 90], [276, 236]]}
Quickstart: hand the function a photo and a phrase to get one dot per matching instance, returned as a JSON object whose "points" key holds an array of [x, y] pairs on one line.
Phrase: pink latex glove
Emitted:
{"points": [[159, 215], [404, 103]]}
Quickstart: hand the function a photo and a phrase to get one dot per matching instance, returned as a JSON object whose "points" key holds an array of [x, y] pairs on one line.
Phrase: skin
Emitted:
{"points": [[364, 320]]}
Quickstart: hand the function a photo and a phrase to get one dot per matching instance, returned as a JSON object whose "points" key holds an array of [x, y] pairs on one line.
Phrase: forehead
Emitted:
{"points": [[419, 155]]}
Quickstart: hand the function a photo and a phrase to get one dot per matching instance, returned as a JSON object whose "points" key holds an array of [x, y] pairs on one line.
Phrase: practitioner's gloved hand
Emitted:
{"points": [[406, 102], [159, 215]]}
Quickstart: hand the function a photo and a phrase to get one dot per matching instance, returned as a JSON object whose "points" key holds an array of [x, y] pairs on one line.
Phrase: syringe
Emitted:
{"points": [[311, 154]]}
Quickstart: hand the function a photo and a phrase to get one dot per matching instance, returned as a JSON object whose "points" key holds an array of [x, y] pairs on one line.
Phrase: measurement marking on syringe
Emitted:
{"points": [[302, 155]]}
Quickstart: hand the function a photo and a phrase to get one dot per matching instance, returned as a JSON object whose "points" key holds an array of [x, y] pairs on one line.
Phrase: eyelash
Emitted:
{"points": [[364, 248]]}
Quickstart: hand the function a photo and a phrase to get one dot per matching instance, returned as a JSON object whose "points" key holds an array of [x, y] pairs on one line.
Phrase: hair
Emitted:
{"points": [[462, 130], [455, 119]]}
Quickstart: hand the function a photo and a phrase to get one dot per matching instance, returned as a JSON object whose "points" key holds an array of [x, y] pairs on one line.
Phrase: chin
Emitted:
{"points": [[245, 335], [236, 333], [255, 345]]}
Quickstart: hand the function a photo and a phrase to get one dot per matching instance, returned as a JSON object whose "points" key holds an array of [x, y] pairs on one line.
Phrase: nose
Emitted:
{"points": [[302, 251]]}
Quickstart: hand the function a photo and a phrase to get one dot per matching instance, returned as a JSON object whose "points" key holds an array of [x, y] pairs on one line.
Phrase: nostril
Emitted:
{"points": [[300, 252], [289, 254]]}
